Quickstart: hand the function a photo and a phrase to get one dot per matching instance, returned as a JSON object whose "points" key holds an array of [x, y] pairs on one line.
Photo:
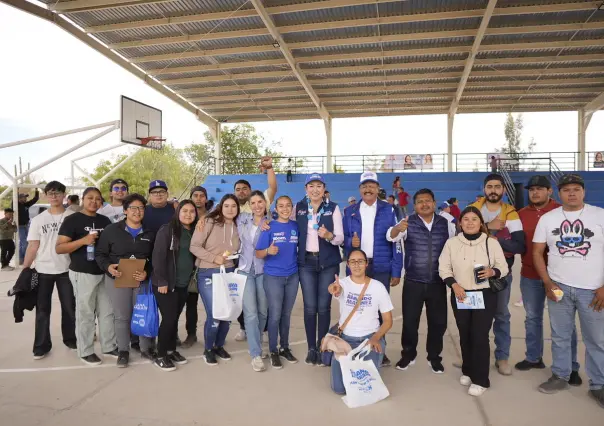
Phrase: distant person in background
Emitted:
{"points": [[290, 178], [598, 161], [118, 190], [493, 164], [8, 228], [23, 209], [397, 209], [73, 203], [403, 201], [352, 201], [396, 186], [454, 208], [445, 211]]}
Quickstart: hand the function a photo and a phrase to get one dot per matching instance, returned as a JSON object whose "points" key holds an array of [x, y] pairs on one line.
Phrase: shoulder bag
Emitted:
{"points": [[496, 284]]}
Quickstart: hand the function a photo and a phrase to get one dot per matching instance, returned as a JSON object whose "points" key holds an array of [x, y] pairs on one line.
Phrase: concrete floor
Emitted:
{"points": [[61, 390]]}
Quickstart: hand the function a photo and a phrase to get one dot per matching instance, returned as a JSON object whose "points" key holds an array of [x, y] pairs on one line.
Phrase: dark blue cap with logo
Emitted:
{"points": [[315, 177], [538, 180], [157, 184]]}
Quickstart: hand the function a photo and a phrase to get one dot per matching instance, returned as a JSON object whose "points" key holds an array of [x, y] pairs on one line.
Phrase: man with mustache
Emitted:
{"points": [[504, 224]]}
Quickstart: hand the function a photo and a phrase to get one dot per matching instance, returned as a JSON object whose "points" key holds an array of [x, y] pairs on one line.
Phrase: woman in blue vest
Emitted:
{"points": [[321, 233]]}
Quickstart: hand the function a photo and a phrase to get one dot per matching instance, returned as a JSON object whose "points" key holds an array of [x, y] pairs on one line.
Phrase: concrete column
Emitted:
{"points": [[16, 219], [329, 162], [215, 131], [583, 123], [450, 119]]}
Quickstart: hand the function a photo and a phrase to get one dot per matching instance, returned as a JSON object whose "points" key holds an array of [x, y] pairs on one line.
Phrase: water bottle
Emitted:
{"points": [[90, 250]]}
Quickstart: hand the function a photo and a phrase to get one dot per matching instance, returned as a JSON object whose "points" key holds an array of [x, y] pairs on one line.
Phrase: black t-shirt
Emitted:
{"points": [[77, 226], [156, 217]]}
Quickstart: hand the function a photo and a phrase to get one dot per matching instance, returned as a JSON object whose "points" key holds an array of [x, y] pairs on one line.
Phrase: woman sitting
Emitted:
{"points": [[364, 322], [456, 267]]}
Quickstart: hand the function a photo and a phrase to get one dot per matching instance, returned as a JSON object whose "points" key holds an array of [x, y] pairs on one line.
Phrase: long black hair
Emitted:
{"points": [[175, 225], [217, 216]]}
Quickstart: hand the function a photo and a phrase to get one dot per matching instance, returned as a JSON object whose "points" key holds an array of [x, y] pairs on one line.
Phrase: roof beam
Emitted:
{"points": [[83, 5], [47, 15], [482, 29], [595, 105], [270, 25], [420, 17]]}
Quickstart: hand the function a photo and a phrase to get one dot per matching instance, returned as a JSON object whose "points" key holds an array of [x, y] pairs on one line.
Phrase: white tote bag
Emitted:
{"points": [[227, 295], [362, 381]]}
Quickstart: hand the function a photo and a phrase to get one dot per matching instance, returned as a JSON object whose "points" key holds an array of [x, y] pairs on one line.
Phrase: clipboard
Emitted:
{"points": [[128, 267]]}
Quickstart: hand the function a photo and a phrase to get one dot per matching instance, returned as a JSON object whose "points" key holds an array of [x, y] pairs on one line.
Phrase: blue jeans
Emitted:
{"points": [[281, 293], [562, 319], [337, 383], [23, 229], [255, 307], [501, 325], [317, 300], [533, 298], [214, 331]]}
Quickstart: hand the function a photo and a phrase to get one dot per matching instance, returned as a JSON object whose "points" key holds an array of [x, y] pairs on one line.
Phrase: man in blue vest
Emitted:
{"points": [[425, 235], [366, 226]]}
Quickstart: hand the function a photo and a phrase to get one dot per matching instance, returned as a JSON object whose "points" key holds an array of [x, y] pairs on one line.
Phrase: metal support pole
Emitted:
{"points": [[329, 162], [215, 132], [16, 218], [116, 168], [450, 120], [72, 176], [86, 175]]}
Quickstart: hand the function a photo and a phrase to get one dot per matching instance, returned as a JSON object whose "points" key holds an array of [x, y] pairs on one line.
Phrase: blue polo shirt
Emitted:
{"points": [[285, 237]]}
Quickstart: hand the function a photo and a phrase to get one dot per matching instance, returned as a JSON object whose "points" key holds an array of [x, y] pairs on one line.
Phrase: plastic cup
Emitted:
{"points": [[559, 294]]}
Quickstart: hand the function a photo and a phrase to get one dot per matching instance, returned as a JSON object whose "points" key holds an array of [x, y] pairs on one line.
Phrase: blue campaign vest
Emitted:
{"points": [[423, 248], [329, 254]]}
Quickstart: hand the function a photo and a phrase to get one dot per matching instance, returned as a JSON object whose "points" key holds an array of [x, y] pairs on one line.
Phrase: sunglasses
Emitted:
{"points": [[120, 189]]}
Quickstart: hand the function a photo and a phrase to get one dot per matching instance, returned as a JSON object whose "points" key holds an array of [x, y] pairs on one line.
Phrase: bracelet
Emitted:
{"points": [[267, 253]]}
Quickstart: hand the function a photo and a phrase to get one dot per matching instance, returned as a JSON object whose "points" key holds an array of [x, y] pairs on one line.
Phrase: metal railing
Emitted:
{"points": [[529, 162], [509, 185], [389, 163]]}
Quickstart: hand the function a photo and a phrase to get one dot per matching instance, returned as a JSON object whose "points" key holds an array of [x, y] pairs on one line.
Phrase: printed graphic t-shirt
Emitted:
{"points": [[285, 237], [576, 246], [45, 228], [77, 226], [365, 320], [114, 213]]}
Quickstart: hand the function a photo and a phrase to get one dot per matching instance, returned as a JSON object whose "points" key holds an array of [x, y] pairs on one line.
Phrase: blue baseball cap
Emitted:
{"points": [[157, 184], [315, 177], [444, 205]]}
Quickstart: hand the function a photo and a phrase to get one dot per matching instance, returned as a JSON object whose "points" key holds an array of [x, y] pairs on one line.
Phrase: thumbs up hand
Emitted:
{"points": [[402, 225], [356, 241], [273, 249], [335, 289]]}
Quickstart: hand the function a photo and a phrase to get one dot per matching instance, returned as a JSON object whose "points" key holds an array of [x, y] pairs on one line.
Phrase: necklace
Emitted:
{"points": [[310, 213], [580, 213]]}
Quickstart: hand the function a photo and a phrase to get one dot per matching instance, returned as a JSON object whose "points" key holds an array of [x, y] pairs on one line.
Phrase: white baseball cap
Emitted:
{"points": [[369, 177]]}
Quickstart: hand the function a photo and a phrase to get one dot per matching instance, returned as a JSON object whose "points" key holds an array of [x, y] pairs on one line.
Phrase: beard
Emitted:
{"points": [[494, 198]]}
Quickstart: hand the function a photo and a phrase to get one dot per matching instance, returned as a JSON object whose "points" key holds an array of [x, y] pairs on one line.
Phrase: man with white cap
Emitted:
{"points": [[445, 211], [366, 226]]}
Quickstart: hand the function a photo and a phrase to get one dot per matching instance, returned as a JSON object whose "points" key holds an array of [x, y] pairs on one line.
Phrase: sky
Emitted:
{"points": [[52, 82]]}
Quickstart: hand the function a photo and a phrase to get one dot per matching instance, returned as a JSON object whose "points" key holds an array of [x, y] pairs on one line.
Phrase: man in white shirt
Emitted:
{"points": [[366, 227], [445, 211], [118, 191], [52, 268], [574, 282]]}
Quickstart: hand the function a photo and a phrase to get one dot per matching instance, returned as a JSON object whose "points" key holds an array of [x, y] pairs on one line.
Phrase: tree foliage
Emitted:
{"points": [[513, 148]]}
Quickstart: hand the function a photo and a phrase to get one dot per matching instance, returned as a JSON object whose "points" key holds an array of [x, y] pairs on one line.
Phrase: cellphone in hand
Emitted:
{"points": [[477, 270]]}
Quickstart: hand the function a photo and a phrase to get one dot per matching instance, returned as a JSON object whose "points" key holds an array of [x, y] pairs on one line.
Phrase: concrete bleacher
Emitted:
{"points": [[462, 185]]}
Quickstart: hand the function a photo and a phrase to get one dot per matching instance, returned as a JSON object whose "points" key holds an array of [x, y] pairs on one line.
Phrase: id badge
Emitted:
{"points": [[473, 300]]}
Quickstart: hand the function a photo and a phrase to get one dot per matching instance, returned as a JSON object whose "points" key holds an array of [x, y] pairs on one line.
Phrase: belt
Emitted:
{"points": [[312, 253]]}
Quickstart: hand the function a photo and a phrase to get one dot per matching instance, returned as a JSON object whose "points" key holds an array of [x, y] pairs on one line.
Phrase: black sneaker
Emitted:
{"points": [[287, 354], [39, 355], [319, 358], [276, 361], [386, 362], [437, 367], [311, 357], [164, 363], [72, 345], [527, 365], [189, 341], [177, 358], [598, 395], [135, 346], [553, 385], [405, 362], [178, 342], [91, 359], [123, 359], [575, 379], [150, 354], [209, 357], [222, 354], [114, 353]]}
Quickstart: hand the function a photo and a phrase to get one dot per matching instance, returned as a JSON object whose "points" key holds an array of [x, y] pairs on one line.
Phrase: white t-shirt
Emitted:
{"points": [[365, 320], [114, 213], [576, 246], [451, 220], [45, 228]]}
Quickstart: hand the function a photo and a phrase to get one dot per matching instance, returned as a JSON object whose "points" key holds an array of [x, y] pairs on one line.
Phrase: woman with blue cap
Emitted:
{"points": [[321, 233]]}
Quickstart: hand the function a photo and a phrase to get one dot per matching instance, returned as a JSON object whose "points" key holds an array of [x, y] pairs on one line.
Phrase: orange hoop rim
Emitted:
{"points": [[145, 141]]}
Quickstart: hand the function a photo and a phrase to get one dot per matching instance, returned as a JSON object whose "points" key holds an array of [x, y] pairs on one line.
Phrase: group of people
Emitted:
{"points": [[184, 244]]}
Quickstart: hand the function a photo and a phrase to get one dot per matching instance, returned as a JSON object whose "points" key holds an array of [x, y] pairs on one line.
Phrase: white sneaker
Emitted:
{"points": [[8, 268], [465, 381], [240, 336], [258, 364], [476, 390], [264, 354], [519, 304]]}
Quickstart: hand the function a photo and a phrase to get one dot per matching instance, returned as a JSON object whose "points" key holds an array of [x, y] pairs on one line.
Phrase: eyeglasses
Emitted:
{"points": [[160, 192], [137, 208], [357, 262], [55, 194], [120, 189]]}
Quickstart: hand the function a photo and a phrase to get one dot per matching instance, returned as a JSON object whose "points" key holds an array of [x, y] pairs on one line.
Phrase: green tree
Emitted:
{"points": [[513, 147], [168, 164]]}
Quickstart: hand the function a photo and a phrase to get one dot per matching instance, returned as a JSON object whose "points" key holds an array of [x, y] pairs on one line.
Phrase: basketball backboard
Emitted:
{"points": [[140, 121]]}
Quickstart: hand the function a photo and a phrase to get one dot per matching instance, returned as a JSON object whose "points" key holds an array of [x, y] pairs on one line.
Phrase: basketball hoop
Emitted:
{"points": [[152, 142]]}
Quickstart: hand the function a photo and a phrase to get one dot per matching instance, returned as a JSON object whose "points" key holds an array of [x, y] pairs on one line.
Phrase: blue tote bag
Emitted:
{"points": [[145, 317]]}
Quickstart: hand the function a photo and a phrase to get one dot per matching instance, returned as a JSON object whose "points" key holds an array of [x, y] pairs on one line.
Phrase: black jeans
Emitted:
{"points": [[191, 314], [170, 306], [7, 251], [383, 277], [434, 295], [46, 284], [474, 326]]}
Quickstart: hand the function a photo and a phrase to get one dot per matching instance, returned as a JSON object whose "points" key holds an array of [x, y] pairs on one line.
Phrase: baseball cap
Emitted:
{"points": [[351, 199], [23, 195], [369, 177], [571, 178], [200, 189], [315, 177], [157, 184], [538, 180], [116, 181], [444, 205]]}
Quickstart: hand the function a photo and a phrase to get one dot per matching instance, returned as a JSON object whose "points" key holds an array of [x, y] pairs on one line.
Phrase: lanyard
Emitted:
{"points": [[310, 213]]}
